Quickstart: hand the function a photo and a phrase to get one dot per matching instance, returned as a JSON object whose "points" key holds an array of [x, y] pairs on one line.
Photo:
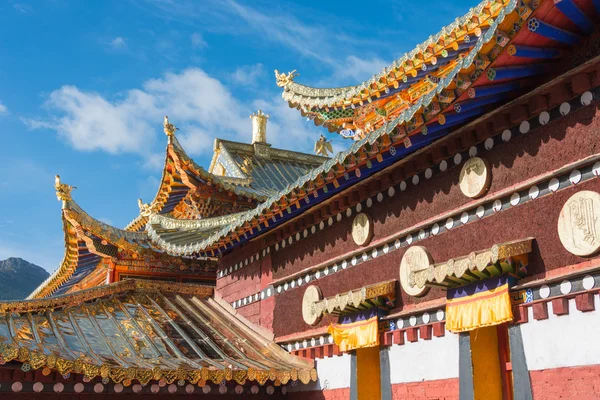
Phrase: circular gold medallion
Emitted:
{"points": [[579, 223], [312, 294], [415, 261], [362, 229], [475, 177]]}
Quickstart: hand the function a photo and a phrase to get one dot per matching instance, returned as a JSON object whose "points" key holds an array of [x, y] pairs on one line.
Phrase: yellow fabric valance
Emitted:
{"points": [[355, 335], [485, 303]]}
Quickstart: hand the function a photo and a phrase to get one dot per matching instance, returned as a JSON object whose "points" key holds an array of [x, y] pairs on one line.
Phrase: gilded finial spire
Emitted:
{"points": [[169, 127], [259, 127], [63, 191], [285, 79], [145, 209]]}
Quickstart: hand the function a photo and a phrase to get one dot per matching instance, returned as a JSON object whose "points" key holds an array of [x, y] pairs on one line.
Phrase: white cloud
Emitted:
{"points": [[247, 74], [3, 109], [199, 104], [198, 41], [24, 8], [118, 43]]}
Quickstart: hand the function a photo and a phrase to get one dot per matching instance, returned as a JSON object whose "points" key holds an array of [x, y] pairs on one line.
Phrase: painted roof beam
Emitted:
{"points": [[520, 71], [482, 101], [448, 121], [532, 52], [551, 32], [482, 91], [578, 17]]}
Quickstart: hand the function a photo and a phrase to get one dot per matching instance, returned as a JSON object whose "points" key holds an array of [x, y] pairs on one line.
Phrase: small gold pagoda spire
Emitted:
{"points": [[169, 127], [285, 79], [63, 191], [145, 208], [259, 127]]}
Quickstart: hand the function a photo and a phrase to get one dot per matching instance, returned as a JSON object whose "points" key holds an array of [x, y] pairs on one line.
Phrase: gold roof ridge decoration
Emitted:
{"points": [[139, 351], [63, 191], [475, 266]]}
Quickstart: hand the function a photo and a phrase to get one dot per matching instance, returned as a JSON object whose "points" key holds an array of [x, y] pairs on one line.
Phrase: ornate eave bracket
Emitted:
{"points": [[504, 258], [382, 295]]}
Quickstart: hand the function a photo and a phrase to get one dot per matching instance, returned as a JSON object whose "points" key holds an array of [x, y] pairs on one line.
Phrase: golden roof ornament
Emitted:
{"points": [[323, 146], [145, 208], [169, 127], [285, 79], [63, 191], [259, 127]]}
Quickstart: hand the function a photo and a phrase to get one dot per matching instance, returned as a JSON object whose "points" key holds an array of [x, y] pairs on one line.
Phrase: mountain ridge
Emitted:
{"points": [[19, 277]]}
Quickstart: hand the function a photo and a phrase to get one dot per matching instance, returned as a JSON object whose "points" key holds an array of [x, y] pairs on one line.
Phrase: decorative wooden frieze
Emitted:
{"points": [[477, 265], [579, 223]]}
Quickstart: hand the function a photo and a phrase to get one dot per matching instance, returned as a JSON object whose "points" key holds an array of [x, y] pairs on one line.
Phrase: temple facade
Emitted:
{"points": [[451, 252]]}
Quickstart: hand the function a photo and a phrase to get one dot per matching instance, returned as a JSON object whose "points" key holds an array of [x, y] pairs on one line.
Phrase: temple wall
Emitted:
{"points": [[529, 219], [246, 283], [333, 384], [545, 149], [568, 340], [430, 360]]}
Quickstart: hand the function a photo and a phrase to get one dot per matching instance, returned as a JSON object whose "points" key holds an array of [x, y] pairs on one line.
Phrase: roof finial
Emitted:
{"points": [[145, 209], [285, 79], [63, 191], [323, 146], [169, 127], [259, 127]]}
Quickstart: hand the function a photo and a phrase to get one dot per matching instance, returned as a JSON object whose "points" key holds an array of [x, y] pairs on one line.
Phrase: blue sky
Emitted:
{"points": [[84, 86]]}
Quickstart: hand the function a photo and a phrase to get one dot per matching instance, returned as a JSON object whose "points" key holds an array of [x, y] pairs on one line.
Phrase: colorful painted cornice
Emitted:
{"points": [[403, 83]]}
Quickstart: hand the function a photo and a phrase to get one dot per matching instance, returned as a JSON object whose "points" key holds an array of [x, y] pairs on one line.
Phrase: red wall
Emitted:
{"points": [[579, 383], [336, 394], [443, 389], [540, 151], [545, 149], [247, 281]]}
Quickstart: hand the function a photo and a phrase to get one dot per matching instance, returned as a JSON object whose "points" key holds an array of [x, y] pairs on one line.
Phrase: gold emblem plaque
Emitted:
{"points": [[475, 177], [579, 223], [416, 259], [312, 294], [362, 229]]}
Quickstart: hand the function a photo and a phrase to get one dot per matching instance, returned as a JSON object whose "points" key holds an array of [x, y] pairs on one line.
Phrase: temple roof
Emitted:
{"points": [[268, 169], [145, 331], [90, 244], [187, 190], [520, 47], [240, 176]]}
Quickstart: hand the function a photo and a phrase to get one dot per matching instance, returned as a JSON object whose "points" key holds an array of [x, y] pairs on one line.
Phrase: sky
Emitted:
{"points": [[84, 87]]}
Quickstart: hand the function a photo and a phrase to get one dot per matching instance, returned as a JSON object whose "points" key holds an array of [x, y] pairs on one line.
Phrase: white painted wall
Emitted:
{"points": [[562, 341], [333, 373], [424, 359]]}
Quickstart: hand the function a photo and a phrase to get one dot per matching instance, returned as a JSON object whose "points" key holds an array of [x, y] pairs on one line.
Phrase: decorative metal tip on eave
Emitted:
{"points": [[285, 79], [63, 191], [169, 127], [323, 147], [145, 209]]}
